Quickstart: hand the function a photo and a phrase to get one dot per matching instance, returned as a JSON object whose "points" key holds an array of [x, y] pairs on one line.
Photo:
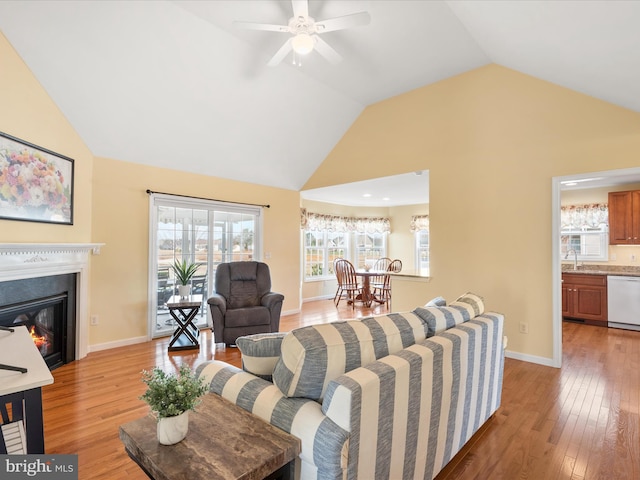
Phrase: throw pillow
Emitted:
{"points": [[436, 302], [473, 303], [260, 353], [439, 319]]}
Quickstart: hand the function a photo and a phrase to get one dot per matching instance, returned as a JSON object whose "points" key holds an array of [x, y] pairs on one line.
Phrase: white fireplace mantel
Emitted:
{"points": [[32, 260]]}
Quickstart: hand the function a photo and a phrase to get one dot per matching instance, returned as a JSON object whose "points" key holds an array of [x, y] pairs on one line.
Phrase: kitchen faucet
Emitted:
{"points": [[575, 256]]}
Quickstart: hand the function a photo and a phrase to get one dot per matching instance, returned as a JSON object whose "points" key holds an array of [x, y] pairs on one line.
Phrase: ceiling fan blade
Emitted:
{"points": [[280, 54], [326, 50], [346, 21], [262, 26], [300, 8]]}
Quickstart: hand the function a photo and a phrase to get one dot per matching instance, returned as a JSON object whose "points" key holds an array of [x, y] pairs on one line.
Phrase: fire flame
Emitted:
{"points": [[39, 341]]}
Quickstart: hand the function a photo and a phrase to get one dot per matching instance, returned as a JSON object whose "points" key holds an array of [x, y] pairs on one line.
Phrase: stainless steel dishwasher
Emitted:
{"points": [[623, 297]]}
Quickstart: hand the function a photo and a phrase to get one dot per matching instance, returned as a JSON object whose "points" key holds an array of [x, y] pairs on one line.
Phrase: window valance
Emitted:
{"points": [[582, 217], [336, 223], [419, 222]]}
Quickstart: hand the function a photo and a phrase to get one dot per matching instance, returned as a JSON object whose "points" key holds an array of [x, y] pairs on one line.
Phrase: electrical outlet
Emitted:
{"points": [[633, 257], [524, 327], [94, 320]]}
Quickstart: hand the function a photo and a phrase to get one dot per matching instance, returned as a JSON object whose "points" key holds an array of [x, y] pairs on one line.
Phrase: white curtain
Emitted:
{"points": [[336, 223], [583, 217], [419, 222]]}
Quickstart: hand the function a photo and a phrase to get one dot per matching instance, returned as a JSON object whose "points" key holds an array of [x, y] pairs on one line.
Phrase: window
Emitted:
{"points": [[588, 245], [420, 228], [321, 248], [422, 251], [327, 237], [369, 248], [201, 231]]}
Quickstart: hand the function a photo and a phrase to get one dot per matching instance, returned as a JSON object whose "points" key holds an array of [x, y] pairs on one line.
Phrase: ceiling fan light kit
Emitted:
{"points": [[302, 43], [305, 32]]}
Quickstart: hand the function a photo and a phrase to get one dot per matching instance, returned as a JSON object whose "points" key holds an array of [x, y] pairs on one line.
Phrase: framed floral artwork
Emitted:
{"points": [[36, 184]]}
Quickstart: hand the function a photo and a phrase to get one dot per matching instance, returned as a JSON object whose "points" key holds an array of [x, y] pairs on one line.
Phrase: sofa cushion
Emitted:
{"points": [[313, 356], [439, 319], [247, 317], [260, 353]]}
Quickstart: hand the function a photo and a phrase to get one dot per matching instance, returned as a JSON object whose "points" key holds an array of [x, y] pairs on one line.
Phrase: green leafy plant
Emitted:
{"points": [[184, 271], [169, 394]]}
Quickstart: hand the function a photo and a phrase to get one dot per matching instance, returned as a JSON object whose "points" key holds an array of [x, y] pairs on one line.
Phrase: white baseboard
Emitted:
{"points": [[313, 299], [290, 312], [118, 343], [547, 362]]}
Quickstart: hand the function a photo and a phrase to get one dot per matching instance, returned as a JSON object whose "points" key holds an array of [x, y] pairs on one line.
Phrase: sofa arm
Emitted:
{"points": [[324, 444], [271, 299], [217, 305]]}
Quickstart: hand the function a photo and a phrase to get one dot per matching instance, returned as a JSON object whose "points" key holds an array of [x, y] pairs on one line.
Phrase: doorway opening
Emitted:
{"points": [[612, 178]]}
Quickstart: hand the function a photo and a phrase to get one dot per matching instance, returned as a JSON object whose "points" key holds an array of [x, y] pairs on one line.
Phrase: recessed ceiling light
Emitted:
{"points": [[366, 195], [386, 199]]}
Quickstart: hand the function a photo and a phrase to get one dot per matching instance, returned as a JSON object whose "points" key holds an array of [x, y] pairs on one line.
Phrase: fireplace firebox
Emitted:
{"points": [[46, 307]]}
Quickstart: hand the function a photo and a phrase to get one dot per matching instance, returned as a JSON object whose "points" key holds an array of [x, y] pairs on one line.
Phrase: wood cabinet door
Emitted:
{"points": [[567, 311], [635, 216], [621, 218], [590, 302]]}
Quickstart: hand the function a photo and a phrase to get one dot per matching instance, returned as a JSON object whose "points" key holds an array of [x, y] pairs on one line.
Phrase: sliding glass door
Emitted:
{"points": [[201, 231]]}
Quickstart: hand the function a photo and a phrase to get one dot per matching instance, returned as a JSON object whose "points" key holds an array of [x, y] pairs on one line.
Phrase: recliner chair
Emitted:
{"points": [[243, 303]]}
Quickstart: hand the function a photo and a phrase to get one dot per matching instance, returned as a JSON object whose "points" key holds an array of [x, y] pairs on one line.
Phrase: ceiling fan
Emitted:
{"points": [[305, 32]]}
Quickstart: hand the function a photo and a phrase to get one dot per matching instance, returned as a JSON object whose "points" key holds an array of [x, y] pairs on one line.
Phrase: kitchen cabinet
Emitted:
{"points": [[624, 218], [584, 297]]}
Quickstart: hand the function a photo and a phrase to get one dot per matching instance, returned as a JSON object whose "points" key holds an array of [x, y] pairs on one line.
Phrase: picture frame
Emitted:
{"points": [[36, 184]]}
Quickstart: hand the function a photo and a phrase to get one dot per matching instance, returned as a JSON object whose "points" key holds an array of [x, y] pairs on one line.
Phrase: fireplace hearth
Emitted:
{"points": [[46, 307]]}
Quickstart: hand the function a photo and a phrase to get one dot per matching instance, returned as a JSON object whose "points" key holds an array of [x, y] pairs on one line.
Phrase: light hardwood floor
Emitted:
{"points": [[578, 422]]}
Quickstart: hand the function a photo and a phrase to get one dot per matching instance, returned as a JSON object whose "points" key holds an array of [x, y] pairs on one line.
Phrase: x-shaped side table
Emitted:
{"points": [[183, 311]]}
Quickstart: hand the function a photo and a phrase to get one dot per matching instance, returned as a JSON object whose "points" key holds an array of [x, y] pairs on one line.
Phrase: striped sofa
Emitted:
{"points": [[387, 397]]}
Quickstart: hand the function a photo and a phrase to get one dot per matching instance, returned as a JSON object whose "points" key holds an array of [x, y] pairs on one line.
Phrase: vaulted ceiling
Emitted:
{"points": [[175, 84]]}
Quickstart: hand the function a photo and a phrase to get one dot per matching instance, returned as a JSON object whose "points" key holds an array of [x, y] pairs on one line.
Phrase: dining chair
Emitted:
{"points": [[347, 282], [395, 266], [382, 291], [338, 279], [383, 294], [382, 265]]}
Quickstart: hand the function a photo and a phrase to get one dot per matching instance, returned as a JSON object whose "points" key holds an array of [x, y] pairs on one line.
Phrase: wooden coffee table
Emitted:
{"points": [[224, 442]]}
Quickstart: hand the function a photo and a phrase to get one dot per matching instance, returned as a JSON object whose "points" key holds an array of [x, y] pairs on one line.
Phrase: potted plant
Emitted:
{"points": [[170, 397], [184, 270]]}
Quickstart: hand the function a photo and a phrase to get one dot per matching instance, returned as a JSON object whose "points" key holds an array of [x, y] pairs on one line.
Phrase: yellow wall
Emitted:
{"points": [[121, 220], [492, 139], [29, 114]]}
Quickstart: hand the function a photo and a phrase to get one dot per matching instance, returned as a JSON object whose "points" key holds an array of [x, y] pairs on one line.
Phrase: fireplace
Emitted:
{"points": [[44, 281], [46, 307]]}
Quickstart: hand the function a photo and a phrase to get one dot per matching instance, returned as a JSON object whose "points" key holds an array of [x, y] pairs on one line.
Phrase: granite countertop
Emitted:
{"points": [[618, 270]]}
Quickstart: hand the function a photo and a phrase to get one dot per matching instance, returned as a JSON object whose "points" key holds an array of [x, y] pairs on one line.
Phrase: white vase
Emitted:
{"points": [[184, 290], [172, 430]]}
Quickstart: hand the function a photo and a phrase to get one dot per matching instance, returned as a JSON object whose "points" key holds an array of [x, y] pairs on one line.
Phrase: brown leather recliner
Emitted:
{"points": [[243, 303]]}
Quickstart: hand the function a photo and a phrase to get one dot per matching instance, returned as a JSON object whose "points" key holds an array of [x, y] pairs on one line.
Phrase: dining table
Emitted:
{"points": [[368, 297]]}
